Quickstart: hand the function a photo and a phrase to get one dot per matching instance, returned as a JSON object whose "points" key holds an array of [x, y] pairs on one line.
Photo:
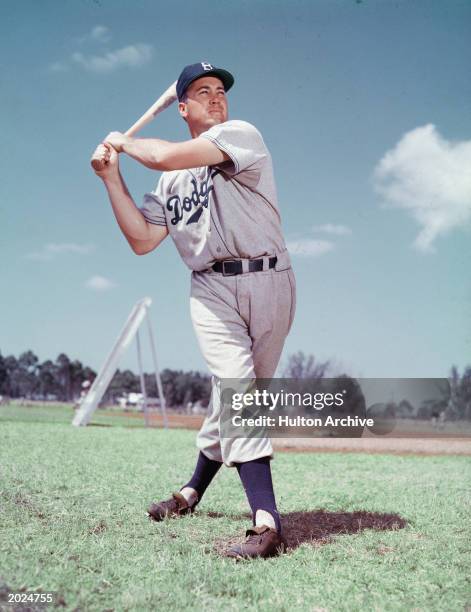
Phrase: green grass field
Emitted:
{"points": [[73, 521]]}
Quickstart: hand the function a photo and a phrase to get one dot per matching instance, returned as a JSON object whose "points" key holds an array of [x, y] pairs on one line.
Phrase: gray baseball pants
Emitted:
{"points": [[241, 323]]}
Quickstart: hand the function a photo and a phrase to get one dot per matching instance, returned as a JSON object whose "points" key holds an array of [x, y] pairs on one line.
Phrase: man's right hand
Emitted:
{"points": [[142, 236], [110, 157]]}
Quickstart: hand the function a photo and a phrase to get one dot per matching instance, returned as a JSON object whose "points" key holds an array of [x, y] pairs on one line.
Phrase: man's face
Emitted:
{"points": [[205, 105]]}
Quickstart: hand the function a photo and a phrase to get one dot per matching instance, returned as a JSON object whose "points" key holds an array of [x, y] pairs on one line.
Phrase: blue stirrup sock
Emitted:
{"points": [[257, 481], [206, 469]]}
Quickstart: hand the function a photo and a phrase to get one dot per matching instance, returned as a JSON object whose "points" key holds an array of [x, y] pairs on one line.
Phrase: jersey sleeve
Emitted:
{"points": [[242, 142], [152, 207]]}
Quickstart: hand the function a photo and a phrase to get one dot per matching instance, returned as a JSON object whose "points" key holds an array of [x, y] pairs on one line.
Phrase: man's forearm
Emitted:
{"points": [[130, 219], [164, 155], [151, 152]]}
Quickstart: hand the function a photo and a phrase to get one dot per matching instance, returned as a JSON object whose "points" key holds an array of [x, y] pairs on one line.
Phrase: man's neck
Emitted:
{"points": [[195, 132]]}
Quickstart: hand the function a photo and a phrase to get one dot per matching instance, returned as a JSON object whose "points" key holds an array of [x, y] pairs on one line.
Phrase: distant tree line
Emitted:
{"points": [[179, 387], [62, 379], [460, 404], [26, 377], [454, 401]]}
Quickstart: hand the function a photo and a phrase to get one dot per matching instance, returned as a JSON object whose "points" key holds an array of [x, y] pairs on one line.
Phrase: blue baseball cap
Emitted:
{"points": [[201, 69]]}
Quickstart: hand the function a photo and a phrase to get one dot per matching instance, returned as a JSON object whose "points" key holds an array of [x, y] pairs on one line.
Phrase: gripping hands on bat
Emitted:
{"points": [[105, 157], [106, 153]]}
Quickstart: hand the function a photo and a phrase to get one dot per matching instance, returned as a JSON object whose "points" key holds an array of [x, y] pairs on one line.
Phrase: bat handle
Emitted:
{"points": [[98, 163], [98, 160]]}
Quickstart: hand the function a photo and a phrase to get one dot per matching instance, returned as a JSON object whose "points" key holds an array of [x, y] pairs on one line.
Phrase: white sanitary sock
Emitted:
{"points": [[190, 495], [262, 517]]}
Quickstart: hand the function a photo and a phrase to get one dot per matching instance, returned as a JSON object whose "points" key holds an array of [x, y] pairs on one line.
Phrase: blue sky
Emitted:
{"points": [[365, 109]]}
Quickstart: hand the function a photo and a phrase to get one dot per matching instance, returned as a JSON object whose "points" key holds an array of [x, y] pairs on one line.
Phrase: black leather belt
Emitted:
{"points": [[231, 267]]}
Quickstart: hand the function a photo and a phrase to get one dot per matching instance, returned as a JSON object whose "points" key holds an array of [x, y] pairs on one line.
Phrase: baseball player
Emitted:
{"points": [[217, 200]]}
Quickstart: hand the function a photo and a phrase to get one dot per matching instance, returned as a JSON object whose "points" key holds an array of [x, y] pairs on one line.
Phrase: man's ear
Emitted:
{"points": [[182, 109]]}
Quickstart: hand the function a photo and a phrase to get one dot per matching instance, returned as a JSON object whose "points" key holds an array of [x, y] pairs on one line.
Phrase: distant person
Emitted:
{"points": [[441, 420], [83, 394]]}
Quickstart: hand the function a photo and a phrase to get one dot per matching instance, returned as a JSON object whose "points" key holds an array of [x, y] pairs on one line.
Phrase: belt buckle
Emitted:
{"points": [[224, 273]]}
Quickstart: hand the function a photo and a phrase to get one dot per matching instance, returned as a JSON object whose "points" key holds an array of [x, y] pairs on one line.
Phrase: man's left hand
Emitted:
{"points": [[117, 140]]}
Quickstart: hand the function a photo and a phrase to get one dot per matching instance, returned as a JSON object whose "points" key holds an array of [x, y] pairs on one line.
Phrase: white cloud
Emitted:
{"points": [[429, 177], [99, 283], [330, 228], [51, 250], [132, 56], [58, 67], [309, 247], [100, 34]]}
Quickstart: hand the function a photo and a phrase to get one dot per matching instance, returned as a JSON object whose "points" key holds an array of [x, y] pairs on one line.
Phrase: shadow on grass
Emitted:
{"points": [[318, 527]]}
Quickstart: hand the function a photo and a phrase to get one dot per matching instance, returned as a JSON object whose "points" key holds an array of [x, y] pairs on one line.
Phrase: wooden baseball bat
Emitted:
{"points": [[168, 97]]}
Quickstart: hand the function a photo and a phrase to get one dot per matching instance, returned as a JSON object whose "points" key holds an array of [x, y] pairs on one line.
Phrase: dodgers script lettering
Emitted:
{"points": [[199, 197]]}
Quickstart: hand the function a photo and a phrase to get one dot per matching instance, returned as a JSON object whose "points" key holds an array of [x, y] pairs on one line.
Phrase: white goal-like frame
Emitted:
{"points": [[131, 328]]}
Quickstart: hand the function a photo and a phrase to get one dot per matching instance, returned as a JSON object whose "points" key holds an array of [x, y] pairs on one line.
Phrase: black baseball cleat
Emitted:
{"points": [[170, 508], [261, 542]]}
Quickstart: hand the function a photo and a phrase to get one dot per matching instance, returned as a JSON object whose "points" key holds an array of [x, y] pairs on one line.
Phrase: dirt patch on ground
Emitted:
{"points": [[397, 446], [415, 442]]}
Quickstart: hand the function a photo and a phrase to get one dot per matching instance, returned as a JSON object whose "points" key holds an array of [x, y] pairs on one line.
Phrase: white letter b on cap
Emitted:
{"points": [[206, 66]]}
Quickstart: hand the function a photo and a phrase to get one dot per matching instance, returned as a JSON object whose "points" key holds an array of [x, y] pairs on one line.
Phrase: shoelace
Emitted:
{"points": [[255, 538], [170, 505]]}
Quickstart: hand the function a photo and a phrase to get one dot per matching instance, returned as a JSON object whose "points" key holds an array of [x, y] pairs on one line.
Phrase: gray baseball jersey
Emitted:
{"points": [[221, 212]]}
